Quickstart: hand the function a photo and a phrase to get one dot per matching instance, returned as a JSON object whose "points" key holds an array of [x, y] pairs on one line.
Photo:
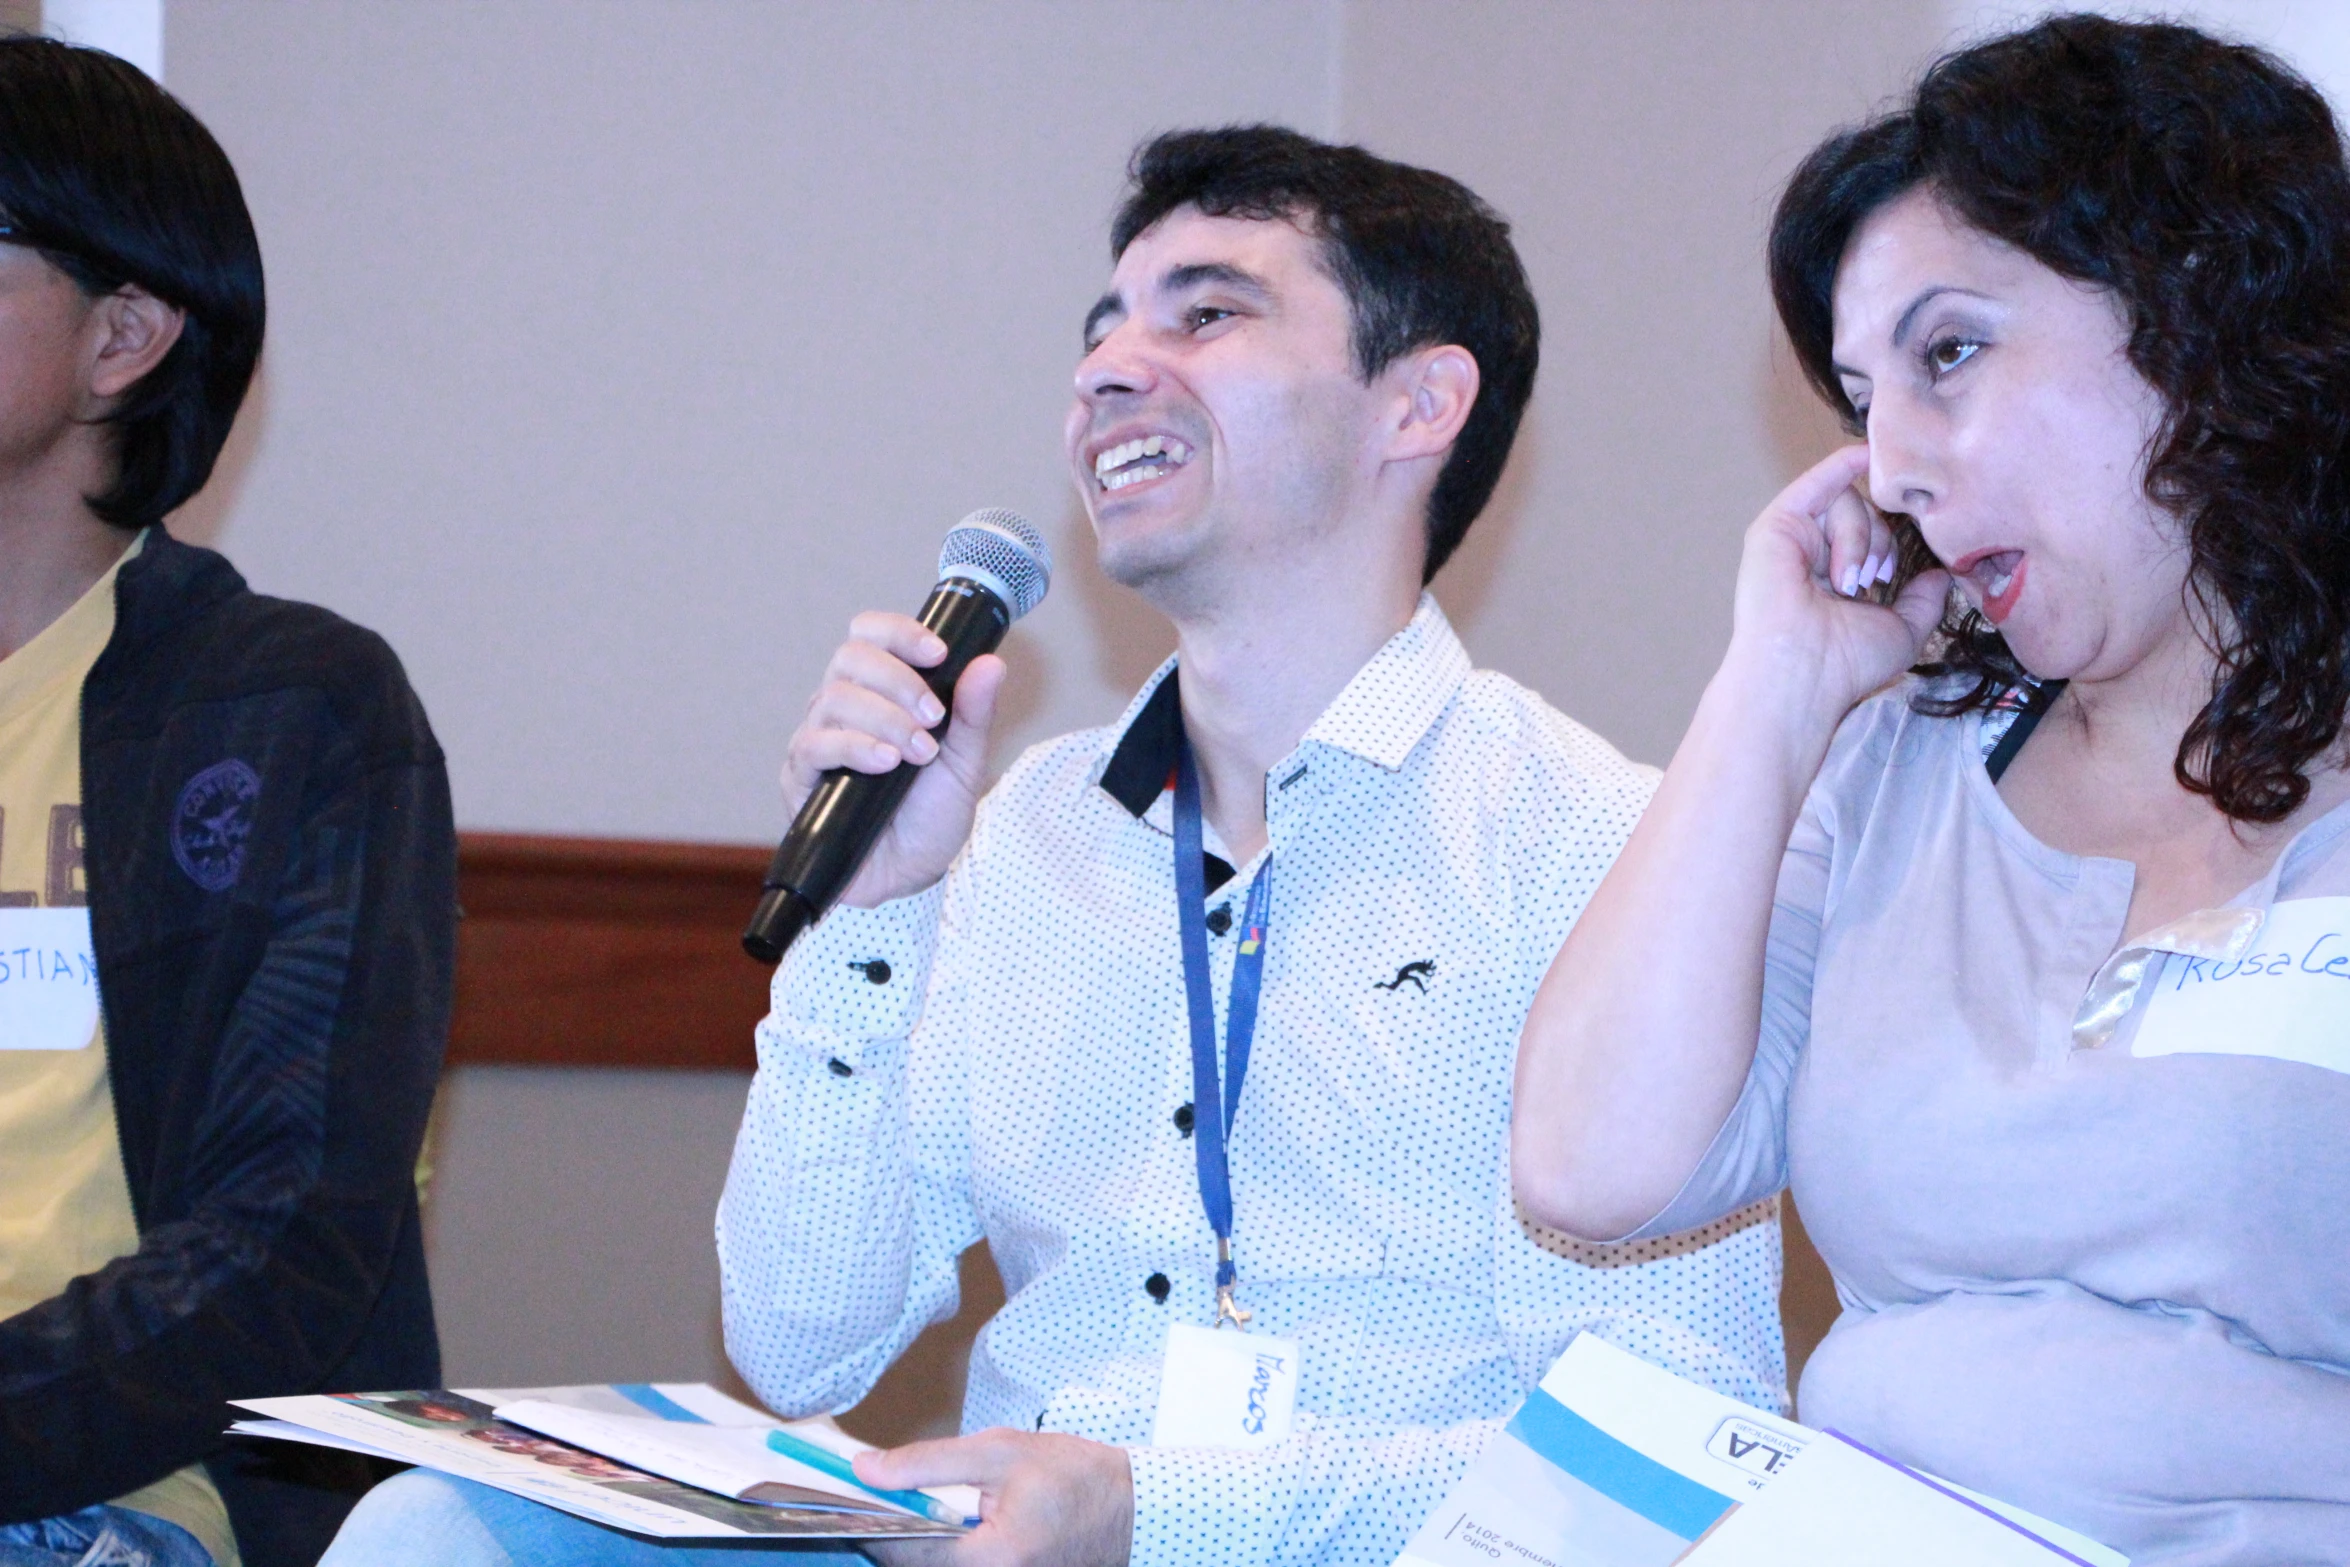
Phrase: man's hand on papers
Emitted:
{"points": [[1045, 1500], [873, 712]]}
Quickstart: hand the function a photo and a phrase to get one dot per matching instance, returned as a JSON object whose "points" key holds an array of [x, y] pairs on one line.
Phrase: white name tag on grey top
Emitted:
{"points": [[2287, 997], [48, 980], [1223, 1388]]}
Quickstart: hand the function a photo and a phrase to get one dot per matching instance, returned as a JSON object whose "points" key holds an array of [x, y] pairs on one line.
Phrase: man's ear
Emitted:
{"points": [[132, 331], [1440, 387]]}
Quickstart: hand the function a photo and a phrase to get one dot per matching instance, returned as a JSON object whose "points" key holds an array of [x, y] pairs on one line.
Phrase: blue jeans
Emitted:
{"points": [[102, 1536], [427, 1516]]}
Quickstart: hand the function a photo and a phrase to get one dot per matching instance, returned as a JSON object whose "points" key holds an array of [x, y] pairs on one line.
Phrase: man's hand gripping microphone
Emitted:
{"points": [[992, 569]]}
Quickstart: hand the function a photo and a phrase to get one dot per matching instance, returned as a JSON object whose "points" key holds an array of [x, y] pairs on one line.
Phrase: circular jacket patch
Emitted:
{"points": [[210, 824]]}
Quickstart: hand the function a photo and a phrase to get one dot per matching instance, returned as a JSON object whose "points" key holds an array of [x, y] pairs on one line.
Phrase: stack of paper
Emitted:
{"points": [[677, 1461], [1612, 1462]]}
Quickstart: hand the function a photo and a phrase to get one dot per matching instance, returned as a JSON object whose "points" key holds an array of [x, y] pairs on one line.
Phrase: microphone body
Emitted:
{"points": [[846, 814]]}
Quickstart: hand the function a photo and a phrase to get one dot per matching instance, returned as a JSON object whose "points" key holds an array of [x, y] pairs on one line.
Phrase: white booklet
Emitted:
{"points": [[674, 1461], [1612, 1462], [1845, 1506]]}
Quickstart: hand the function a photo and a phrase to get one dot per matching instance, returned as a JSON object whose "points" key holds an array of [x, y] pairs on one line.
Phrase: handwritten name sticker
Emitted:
{"points": [[1220, 1388], [2288, 998], [48, 980]]}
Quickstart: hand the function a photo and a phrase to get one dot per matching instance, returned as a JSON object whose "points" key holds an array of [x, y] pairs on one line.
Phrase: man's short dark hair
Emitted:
{"points": [[110, 178], [1421, 258]]}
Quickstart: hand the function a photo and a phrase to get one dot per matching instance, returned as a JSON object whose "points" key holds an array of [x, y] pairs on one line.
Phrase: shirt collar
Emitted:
{"points": [[1140, 759], [1380, 716], [68, 646]]}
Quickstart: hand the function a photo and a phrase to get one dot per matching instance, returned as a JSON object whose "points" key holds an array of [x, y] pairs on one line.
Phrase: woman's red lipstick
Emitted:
{"points": [[1985, 567]]}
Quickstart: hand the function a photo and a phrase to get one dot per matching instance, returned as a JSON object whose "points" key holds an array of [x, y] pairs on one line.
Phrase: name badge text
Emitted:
{"points": [[2287, 999], [1220, 1388], [48, 980]]}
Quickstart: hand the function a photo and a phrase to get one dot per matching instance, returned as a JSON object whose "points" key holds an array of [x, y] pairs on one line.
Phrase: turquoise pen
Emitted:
{"points": [[831, 1463]]}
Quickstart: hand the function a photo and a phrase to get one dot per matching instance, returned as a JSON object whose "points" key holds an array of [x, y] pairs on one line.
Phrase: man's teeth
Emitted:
{"points": [[1112, 471]]}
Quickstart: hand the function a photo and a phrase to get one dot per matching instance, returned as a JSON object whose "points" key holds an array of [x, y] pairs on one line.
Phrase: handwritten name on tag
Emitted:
{"points": [[1225, 1389], [2288, 998], [48, 980]]}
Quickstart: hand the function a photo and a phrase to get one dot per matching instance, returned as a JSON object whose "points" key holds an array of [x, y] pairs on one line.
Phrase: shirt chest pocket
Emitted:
{"points": [[1374, 1123]]}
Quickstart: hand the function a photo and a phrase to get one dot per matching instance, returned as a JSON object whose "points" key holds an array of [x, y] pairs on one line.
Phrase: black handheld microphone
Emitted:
{"points": [[992, 569]]}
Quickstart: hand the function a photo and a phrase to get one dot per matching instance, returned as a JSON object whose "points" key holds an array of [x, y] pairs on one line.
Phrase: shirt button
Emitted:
{"points": [[1183, 1119], [1219, 919], [1156, 1287], [876, 970], [840, 1068]]}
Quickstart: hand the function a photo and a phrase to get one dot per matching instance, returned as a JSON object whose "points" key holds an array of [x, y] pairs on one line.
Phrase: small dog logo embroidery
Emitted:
{"points": [[1418, 974], [212, 821]]}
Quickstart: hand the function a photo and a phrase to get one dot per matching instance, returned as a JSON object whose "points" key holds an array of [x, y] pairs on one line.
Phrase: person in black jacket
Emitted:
{"points": [[227, 887]]}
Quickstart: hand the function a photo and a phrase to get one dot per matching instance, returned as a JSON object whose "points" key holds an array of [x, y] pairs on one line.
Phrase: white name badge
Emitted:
{"points": [[48, 980], [1221, 1388], [2288, 998]]}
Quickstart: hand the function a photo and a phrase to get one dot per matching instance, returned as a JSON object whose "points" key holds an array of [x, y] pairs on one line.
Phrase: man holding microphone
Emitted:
{"points": [[1206, 1020]]}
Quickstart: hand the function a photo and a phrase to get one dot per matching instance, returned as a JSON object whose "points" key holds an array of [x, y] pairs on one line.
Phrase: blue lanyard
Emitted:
{"points": [[1212, 1113]]}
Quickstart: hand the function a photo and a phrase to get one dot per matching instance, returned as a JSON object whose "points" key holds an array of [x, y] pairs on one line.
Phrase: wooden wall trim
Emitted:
{"points": [[606, 952]]}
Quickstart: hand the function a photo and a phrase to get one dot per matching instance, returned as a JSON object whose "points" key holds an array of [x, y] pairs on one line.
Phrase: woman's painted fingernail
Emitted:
{"points": [[932, 709], [922, 748], [1849, 583], [1868, 573], [1885, 572]]}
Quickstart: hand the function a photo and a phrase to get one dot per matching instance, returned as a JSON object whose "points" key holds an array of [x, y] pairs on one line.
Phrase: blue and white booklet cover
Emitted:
{"points": [[1612, 1462]]}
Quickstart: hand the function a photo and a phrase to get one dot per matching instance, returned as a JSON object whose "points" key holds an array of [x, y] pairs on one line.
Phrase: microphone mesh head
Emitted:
{"points": [[1003, 545]]}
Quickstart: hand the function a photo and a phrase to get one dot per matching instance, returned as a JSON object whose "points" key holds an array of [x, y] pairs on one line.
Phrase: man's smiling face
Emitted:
{"points": [[1219, 417]]}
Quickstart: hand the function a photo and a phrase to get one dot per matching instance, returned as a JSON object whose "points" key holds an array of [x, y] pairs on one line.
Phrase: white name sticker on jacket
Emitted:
{"points": [[48, 980], [2288, 998], [1221, 1388]]}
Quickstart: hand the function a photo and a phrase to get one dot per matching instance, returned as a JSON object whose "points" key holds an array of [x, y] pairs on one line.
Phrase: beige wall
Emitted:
{"points": [[1638, 148], [620, 351]]}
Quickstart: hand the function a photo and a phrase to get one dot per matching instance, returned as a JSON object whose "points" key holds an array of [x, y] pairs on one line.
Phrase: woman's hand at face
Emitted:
{"points": [[1803, 617]]}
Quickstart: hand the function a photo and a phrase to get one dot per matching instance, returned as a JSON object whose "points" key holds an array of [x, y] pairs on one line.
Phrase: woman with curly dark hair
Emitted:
{"points": [[2051, 1039]]}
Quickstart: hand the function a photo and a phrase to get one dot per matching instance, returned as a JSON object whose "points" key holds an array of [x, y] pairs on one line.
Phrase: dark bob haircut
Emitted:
{"points": [[2203, 184], [1421, 259], [106, 175]]}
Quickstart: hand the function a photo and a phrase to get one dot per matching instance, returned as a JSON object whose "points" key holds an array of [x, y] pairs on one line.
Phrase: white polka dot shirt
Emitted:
{"points": [[1008, 1056]]}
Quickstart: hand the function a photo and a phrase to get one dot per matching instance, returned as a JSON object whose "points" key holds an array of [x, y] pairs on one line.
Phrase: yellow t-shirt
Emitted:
{"points": [[65, 1204]]}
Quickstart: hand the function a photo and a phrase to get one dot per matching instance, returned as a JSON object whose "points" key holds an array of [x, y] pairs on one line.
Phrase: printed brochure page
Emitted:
{"points": [[460, 1433], [1612, 1462]]}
